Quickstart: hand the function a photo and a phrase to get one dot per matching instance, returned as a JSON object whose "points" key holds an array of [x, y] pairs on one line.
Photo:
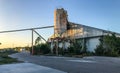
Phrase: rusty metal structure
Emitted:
{"points": [[33, 31]]}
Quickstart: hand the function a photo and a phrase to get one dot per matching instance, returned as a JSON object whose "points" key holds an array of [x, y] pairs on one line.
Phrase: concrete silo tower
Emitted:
{"points": [[60, 21]]}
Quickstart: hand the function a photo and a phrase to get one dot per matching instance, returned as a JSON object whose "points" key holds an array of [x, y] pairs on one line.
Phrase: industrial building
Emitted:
{"points": [[66, 31]]}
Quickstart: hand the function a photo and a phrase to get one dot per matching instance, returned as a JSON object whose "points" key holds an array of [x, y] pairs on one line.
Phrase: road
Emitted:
{"points": [[92, 64]]}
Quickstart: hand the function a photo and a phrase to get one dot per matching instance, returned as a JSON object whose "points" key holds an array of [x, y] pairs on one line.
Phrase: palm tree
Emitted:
{"points": [[37, 41]]}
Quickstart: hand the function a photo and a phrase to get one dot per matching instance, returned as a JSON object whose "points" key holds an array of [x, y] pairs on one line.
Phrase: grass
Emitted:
{"points": [[8, 60], [5, 59]]}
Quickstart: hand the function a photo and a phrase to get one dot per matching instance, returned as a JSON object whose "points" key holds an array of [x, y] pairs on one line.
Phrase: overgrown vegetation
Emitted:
{"points": [[79, 49], [41, 49], [109, 46], [76, 49]]}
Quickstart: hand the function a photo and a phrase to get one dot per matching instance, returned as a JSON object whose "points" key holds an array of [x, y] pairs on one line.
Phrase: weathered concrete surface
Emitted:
{"points": [[93, 64], [26, 68]]}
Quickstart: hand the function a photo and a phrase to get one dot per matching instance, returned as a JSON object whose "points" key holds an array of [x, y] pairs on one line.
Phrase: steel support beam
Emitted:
{"points": [[26, 29], [39, 35], [33, 30]]}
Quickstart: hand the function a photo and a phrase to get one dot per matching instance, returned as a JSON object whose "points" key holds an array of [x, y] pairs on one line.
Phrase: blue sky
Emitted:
{"points": [[18, 14], [33, 13]]}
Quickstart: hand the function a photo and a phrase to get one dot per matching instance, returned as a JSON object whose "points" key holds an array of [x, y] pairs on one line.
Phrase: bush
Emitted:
{"points": [[109, 46], [41, 49], [71, 50], [99, 50], [61, 51]]}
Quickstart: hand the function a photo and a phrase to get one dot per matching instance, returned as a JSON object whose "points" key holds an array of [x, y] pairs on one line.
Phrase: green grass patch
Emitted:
{"points": [[5, 59], [8, 60]]}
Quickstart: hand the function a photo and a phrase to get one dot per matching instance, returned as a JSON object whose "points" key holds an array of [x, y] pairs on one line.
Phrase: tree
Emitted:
{"points": [[109, 46], [100, 50], [37, 41], [75, 48], [42, 48]]}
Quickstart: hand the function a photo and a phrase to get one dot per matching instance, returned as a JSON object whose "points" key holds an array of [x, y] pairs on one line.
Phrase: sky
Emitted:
{"points": [[19, 14]]}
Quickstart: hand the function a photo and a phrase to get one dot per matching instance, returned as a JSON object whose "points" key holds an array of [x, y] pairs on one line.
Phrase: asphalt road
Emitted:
{"points": [[93, 64]]}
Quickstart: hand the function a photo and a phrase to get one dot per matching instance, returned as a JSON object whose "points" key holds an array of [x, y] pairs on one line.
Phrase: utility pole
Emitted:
{"points": [[32, 43]]}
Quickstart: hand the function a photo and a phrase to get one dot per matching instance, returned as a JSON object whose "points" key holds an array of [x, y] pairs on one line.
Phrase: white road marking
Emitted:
{"points": [[85, 61]]}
